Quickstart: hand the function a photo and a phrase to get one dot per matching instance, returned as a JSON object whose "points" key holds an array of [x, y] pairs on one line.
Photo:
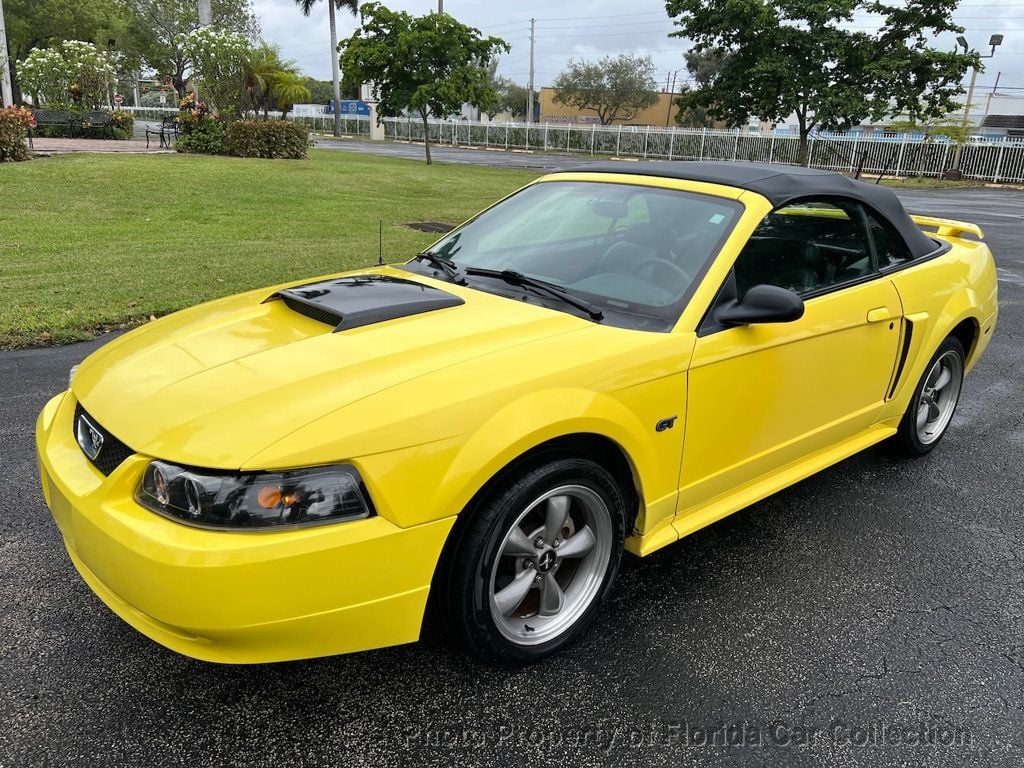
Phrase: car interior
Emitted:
{"points": [[806, 247]]}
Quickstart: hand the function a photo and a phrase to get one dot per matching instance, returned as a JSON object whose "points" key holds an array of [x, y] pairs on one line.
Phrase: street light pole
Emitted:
{"points": [[993, 41], [6, 91]]}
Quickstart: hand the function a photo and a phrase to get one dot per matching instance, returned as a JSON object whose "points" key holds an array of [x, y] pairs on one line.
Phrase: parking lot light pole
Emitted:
{"points": [[994, 41]]}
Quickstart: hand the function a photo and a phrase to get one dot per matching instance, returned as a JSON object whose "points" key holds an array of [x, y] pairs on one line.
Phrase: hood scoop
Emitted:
{"points": [[352, 302]]}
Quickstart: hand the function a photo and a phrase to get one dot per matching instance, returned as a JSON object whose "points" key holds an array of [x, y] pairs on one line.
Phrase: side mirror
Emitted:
{"points": [[762, 304]]}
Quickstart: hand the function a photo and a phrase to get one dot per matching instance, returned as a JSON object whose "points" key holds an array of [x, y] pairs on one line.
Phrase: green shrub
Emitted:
{"points": [[206, 138], [268, 138], [14, 125]]}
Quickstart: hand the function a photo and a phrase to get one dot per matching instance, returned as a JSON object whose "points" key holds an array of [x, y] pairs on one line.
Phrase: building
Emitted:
{"points": [[661, 114]]}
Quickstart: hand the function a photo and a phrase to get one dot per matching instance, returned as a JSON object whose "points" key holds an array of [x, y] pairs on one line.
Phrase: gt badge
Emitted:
{"points": [[664, 424]]}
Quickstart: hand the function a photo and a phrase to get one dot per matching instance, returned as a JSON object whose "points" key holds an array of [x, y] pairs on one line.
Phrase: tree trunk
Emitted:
{"points": [[335, 73], [426, 136], [802, 157]]}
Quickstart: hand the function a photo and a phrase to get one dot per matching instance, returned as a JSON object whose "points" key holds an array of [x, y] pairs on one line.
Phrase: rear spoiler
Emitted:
{"points": [[948, 227]]}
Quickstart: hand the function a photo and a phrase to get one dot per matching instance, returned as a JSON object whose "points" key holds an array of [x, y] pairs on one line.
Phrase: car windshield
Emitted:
{"points": [[636, 251]]}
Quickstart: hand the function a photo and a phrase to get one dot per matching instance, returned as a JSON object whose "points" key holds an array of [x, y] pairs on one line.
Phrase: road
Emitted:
{"points": [[871, 615]]}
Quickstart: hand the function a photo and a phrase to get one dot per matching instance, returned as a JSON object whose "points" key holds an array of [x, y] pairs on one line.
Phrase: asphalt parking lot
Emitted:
{"points": [[871, 615]]}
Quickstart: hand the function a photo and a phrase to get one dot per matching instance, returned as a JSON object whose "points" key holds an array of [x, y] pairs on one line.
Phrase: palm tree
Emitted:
{"points": [[306, 6], [264, 70], [289, 90]]}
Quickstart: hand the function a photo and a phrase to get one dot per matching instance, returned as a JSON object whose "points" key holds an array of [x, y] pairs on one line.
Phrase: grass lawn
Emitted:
{"points": [[89, 242], [927, 182]]}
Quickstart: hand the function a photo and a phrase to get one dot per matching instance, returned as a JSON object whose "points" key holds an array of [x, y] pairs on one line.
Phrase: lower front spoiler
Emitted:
{"points": [[390, 621]]}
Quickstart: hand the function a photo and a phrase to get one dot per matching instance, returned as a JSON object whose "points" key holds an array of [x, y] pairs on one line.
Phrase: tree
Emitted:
{"points": [[320, 91], [71, 71], [221, 61], [265, 72], [46, 23], [289, 89], [616, 88], [306, 6], [951, 127], [161, 26], [703, 67], [801, 57], [514, 98], [430, 64]]}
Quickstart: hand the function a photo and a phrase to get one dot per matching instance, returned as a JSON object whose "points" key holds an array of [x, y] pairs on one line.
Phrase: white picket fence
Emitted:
{"points": [[997, 160]]}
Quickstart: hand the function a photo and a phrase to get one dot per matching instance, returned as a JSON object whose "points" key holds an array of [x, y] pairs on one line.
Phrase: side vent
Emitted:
{"points": [[908, 334], [311, 310]]}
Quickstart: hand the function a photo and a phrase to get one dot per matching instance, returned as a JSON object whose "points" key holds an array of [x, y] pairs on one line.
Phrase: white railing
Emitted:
{"points": [[997, 160], [902, 155]]}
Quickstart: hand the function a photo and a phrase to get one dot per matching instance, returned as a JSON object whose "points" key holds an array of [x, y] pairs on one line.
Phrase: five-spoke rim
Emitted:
{"points": [[938, 397], [550, 564]]}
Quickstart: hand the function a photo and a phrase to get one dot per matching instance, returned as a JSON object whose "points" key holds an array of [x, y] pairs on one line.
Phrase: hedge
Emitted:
{"points": [[268, 139]]}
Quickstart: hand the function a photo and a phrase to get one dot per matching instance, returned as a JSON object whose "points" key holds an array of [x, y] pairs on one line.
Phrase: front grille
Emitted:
{"points": [[113, 451]]}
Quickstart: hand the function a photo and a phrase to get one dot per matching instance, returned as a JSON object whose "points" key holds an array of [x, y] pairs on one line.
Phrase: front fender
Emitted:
{"points": [[436, 480]]}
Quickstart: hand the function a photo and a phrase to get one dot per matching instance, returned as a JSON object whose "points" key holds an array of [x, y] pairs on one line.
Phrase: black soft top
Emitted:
{"points": [[783, 184]]}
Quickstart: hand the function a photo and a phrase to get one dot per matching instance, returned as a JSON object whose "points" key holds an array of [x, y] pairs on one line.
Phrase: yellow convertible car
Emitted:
{"points": [[605, 361]]}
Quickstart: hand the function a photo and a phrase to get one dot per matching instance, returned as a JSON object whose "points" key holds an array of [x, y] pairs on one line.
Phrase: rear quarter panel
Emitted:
{"points": [[937, 295]]}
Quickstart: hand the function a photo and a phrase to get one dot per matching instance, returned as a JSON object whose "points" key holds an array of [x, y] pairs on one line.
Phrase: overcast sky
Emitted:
{"points": [[592, 28]]}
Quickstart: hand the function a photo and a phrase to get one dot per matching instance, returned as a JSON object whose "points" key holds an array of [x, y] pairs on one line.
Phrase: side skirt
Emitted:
{"points": [[695, 518]]}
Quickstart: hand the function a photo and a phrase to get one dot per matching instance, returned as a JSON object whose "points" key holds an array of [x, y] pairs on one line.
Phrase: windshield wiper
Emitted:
{"points": [[451, 270], [512, 277]]}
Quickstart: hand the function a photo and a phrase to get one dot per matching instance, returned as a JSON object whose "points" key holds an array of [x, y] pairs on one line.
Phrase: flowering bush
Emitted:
{"points": [[15, 123], [71, 71], [219, 61], [201, 132], [124, 122]]}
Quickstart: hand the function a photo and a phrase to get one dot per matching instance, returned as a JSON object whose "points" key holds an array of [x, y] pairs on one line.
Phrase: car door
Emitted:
{"points": [[764, 396]]}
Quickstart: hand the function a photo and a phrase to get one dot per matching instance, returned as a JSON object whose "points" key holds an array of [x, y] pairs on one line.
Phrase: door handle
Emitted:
{"points": [[879, 315]]}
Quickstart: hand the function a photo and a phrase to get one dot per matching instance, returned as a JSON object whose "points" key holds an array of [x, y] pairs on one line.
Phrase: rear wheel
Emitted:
{"points": [[535, 560], [934, 402]]}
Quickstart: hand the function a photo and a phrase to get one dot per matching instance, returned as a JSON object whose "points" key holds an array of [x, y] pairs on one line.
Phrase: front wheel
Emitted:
{"points": [[535, 561], [934, 401]]}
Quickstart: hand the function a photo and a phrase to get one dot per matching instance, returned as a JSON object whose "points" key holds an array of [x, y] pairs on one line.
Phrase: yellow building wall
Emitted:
{"points": [[661, 114]]}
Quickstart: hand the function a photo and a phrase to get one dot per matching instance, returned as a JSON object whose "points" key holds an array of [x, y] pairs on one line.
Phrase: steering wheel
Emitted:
{"points": [[664, 264]]}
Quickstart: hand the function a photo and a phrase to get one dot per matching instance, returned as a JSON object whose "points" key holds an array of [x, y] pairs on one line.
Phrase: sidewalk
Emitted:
{"points": [[45, 146]]}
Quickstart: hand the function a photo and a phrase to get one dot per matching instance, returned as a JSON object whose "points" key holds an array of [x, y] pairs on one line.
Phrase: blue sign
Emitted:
{"points": [[349, 107]]}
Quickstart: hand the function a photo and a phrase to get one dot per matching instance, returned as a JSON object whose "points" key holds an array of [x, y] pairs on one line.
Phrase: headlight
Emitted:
{"points": [[250, 500]]}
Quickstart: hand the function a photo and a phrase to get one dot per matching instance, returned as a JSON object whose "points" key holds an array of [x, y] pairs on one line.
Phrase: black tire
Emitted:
{"points": [[908, 438], [465, 589]]}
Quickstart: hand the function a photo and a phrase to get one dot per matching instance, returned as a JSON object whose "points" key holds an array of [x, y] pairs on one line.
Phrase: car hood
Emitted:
{"points": [[214, 385]]}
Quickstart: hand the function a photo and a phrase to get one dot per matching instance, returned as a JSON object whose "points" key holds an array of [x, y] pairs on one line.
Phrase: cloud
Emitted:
{"points": [[593, 28]]}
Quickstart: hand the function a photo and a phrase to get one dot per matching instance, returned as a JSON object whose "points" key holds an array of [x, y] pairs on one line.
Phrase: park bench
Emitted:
{"points": [[60, 118], [168, 127], [98, 121]]}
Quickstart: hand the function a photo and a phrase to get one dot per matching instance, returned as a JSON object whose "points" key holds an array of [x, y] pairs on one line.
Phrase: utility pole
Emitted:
{"points": [[529, 89], [205, 13], [440, 6], [988, 102], [6, 92], [671, 93]]}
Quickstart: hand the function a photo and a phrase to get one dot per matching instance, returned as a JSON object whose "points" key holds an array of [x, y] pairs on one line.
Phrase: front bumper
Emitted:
{"points": [[233, 597]]}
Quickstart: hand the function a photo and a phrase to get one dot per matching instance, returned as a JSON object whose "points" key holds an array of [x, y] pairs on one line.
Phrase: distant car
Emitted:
{"points": [[609, 359]]}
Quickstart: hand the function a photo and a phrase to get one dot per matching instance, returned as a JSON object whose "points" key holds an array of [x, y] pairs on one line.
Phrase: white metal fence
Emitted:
{"points": [[902, 155]]}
